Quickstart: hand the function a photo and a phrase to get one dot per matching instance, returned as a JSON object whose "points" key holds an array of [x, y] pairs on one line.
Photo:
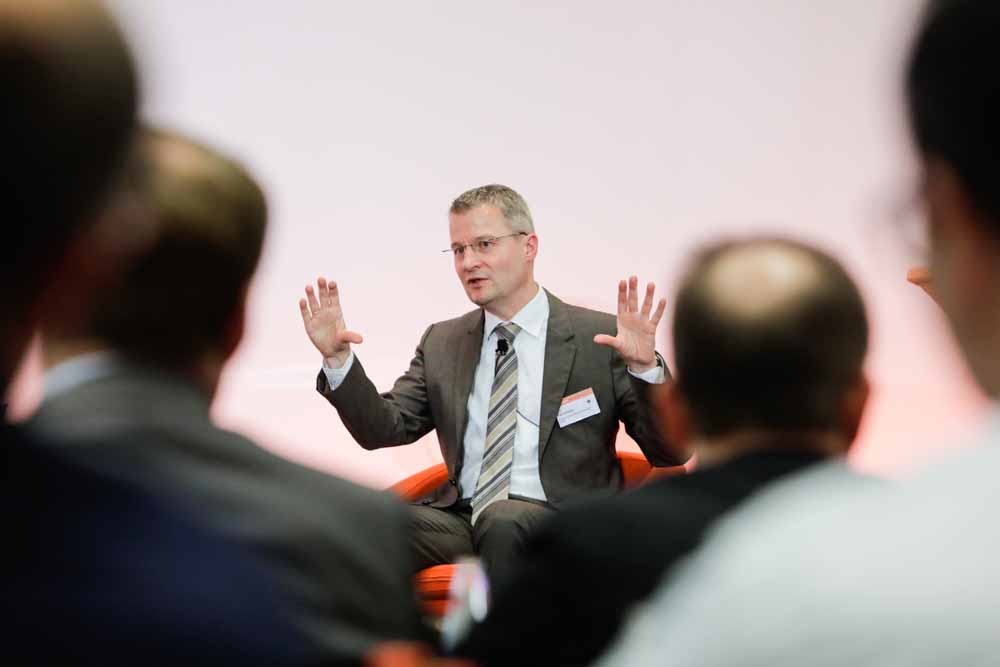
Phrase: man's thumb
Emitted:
{"points": [[351, 337], [604, 339]]}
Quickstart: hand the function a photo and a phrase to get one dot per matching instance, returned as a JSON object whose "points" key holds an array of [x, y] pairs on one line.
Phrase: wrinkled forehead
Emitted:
{"points": [[477, 222]]}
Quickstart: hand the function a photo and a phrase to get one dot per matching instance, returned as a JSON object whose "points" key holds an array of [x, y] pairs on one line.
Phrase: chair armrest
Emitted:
{"points": [[635, 468], [420, 484]]}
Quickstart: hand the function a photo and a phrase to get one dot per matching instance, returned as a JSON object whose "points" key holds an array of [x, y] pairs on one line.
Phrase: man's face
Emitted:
{"points": [[490, 276]]}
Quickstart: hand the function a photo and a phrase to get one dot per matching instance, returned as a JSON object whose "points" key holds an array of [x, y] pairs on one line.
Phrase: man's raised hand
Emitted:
{"points": [[324, 322], [636, 339]]}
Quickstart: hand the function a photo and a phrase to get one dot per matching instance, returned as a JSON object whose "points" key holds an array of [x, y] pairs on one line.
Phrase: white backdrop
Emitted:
{"points": [[635, 130]]}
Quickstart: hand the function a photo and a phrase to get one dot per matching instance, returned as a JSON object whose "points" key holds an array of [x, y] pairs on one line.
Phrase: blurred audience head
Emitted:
{"points": [[770, 337], [70, 96], [953, 95], [179, 302]]}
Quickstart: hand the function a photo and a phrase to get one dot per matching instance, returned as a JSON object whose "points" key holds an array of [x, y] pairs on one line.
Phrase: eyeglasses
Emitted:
{"points": [[482, 246]]}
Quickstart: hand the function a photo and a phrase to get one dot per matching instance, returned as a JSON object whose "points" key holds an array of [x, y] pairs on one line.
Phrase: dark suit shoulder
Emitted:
{"points": [[587, 321], [96, 555], [632, 515], [457, 325], [676, 502], [310, 483]]}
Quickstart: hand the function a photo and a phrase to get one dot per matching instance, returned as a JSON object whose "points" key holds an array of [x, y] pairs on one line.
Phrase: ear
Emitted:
{"points": [[236, 326], [852, 410], [672, 415], [531, 247]]}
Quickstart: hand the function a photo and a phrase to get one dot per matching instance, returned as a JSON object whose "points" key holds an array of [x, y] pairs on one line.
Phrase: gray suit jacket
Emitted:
{"points": [[433, 394], [339, 552]]}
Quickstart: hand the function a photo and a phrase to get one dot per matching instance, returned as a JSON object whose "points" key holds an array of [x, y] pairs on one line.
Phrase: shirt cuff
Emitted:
{"points": [[655, 375], [335, 376]]}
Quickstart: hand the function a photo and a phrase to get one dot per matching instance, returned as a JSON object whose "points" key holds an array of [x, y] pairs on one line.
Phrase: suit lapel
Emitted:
{"points": [[468, 349], [559, 355]]}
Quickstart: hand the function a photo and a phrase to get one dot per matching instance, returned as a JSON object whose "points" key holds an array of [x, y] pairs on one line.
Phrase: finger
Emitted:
{"points": [[350, 337], [633, 296], [647, 301], [324, 292], [304, 309], [662, 306], [606, 340], [622, 296], [311, 295], [333, 293]]}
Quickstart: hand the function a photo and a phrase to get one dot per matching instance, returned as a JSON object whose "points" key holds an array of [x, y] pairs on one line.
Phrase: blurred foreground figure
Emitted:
{"points": [[811, 575], [94, 571], [129, 384], [769, 340]]}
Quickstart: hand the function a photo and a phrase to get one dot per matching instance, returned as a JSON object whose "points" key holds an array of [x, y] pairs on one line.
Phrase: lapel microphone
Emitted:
{"points": [[502, 348]]}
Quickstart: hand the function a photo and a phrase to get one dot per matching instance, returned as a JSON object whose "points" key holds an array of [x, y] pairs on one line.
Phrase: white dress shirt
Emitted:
{"points": [[529, 345], [69, 374]]}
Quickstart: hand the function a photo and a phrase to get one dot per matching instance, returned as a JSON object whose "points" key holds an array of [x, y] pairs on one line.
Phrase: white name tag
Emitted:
{"points": [[578, 406]]}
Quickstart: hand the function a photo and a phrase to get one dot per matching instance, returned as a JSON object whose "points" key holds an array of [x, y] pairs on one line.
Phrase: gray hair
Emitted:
{"points": [[512, 205]]}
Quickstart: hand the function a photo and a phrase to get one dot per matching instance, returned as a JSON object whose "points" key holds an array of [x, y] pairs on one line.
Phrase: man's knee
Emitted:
{"points": [[438, 536], [508, 518]]}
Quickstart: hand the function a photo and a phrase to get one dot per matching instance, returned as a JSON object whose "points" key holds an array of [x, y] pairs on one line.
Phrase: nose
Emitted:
{"points": [[470, 259]]}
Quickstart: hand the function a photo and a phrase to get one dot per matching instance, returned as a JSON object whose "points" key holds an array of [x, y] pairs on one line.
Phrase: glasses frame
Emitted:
{"points": [[460, 248]]}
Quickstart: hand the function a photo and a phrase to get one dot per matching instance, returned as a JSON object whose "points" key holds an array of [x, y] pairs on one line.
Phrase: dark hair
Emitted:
{"points": [[68, 113], [953, 93], [786, 366], [177, 299]]}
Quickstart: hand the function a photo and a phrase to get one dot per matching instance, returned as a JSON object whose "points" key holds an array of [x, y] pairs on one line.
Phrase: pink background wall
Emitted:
{"points": [[635, 130]]}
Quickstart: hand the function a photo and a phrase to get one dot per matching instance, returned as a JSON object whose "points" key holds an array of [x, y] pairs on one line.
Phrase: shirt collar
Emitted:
{"points": [[70, 374], [532, 318]]}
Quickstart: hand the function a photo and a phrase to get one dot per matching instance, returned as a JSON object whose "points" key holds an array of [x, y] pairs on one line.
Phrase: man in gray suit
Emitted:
{"points": [[525, 392], [139, 373]]}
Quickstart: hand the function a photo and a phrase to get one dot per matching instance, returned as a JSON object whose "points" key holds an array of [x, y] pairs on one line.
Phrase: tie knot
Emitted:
{"points": [[508, 331]]}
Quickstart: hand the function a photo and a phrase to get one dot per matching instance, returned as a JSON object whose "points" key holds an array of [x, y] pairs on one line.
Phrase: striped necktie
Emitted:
{"points": [[501, 427]]}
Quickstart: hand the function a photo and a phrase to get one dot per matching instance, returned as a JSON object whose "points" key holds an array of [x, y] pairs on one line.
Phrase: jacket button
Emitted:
{"points": [[452, 481]]}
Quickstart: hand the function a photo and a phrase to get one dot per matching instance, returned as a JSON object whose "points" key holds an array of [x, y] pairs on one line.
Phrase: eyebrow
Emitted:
{"points": [[478, 238]]}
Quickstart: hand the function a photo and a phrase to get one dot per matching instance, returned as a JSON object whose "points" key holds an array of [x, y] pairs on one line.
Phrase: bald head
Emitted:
{"points": [[768, 334], [759, 280]]}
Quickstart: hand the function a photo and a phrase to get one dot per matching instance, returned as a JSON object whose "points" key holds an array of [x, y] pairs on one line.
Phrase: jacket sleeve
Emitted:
{"points": [[397, 417], [636, 412]]}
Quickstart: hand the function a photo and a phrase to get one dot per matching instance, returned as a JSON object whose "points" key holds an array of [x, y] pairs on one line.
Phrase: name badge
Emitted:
{"points": [[578, 406]]}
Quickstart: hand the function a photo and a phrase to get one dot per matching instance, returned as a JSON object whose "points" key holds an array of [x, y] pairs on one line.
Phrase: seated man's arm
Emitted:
{"points": [[398, 417], [635, 370], [636, 405]]}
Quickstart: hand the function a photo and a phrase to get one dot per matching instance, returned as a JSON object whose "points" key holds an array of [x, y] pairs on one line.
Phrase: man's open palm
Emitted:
{"points": [[636, 339], [324, 321]]}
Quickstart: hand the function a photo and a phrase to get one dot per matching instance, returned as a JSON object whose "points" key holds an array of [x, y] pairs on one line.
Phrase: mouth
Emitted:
{"points": [[476, 282]]}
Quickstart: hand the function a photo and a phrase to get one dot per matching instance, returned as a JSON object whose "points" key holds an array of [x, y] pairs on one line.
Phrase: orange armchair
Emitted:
{"points": [[433, 584]]}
